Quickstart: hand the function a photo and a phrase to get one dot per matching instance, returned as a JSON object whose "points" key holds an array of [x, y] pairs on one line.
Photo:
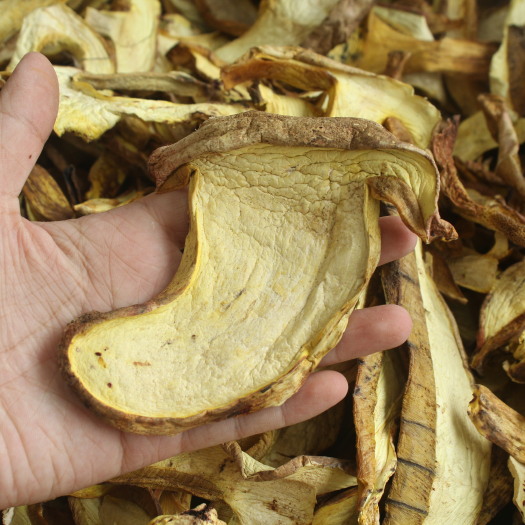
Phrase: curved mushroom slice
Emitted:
{"points": [[14, 12], [283, 237], [502, 322], [58, 28], [133, 33], [347, 91]]}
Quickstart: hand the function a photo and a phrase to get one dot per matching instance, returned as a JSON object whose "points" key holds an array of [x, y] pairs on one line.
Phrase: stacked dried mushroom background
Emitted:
{"points": [[433, 432]]}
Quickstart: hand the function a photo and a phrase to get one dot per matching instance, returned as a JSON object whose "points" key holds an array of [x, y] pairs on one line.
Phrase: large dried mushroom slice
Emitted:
{"points": [[283, 237]]}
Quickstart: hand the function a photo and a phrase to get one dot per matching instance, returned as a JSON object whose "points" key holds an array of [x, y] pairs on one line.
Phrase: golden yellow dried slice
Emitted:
{"points": [[498, 422], [377, 405], [310, 437], [106, 177], [265, 98], [45, 197], [175, 82], [340, 509], [257, 493], [443, 464], [349, 92], [14, 12], [119, 511], [500, 74], [499, 121], [502, 317], [487, 211], [133, 33], [280, 210], [281, 23], [474, 271], [86, 511], [89, 113], [58, 28], [390, 29], [474, 138], [95, 491], [98, 205], [443, 278], [518, 472]]}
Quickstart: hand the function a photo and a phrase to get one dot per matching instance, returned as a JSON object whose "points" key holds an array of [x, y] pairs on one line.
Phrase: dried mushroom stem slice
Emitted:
{"points": [[377, 405], [437, 443], [498, 422], [283, 238]]}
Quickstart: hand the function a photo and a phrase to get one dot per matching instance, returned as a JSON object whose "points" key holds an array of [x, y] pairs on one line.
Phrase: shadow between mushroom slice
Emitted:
{"points": [[283, 237]]}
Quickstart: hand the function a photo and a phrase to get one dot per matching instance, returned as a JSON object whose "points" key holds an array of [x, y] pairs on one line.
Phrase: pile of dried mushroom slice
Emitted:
{"points": [[288, 123]]}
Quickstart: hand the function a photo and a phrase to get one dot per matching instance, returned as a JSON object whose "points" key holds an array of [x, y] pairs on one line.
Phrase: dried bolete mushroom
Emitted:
{"points": [[283, 237]]}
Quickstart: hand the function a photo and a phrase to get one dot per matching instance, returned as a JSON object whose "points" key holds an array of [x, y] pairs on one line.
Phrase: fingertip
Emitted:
{"points": [[396, 239], [321, 391], [28, 109], [36, 79], [371, 330], [400, 318]]}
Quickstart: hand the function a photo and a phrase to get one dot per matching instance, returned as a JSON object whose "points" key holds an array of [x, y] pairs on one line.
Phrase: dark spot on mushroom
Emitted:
{"points": [[110, 385], [273, 505], [265, 388], [98, 354]]}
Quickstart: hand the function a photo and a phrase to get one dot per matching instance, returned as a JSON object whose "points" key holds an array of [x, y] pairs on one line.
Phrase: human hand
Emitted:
{"points": [[50, 273]]}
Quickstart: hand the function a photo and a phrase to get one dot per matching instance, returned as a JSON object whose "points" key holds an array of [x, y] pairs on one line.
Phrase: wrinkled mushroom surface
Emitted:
{"points": [[283, 237]]}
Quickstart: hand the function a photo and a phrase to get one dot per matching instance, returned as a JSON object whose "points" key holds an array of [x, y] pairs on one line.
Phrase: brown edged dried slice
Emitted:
{"points": [[283, 238], [502, 321], [14, 12], [45, 201], [442, 463], [498, 422], [89, 113], [489, 212], [347, 91], [377, 406], [256, 493], [58, 28], [340, 509], [281, 22]]}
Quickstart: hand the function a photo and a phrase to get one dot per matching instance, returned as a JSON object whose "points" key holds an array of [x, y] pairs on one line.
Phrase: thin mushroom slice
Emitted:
{"points": [[283, 237]]}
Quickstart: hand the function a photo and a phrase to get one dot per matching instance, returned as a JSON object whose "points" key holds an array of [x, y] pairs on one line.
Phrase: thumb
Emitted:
{"points": [[28, 108]]}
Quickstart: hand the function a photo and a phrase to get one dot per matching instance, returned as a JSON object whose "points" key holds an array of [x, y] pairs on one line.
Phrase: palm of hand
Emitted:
{"points": [[50, 273]]}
